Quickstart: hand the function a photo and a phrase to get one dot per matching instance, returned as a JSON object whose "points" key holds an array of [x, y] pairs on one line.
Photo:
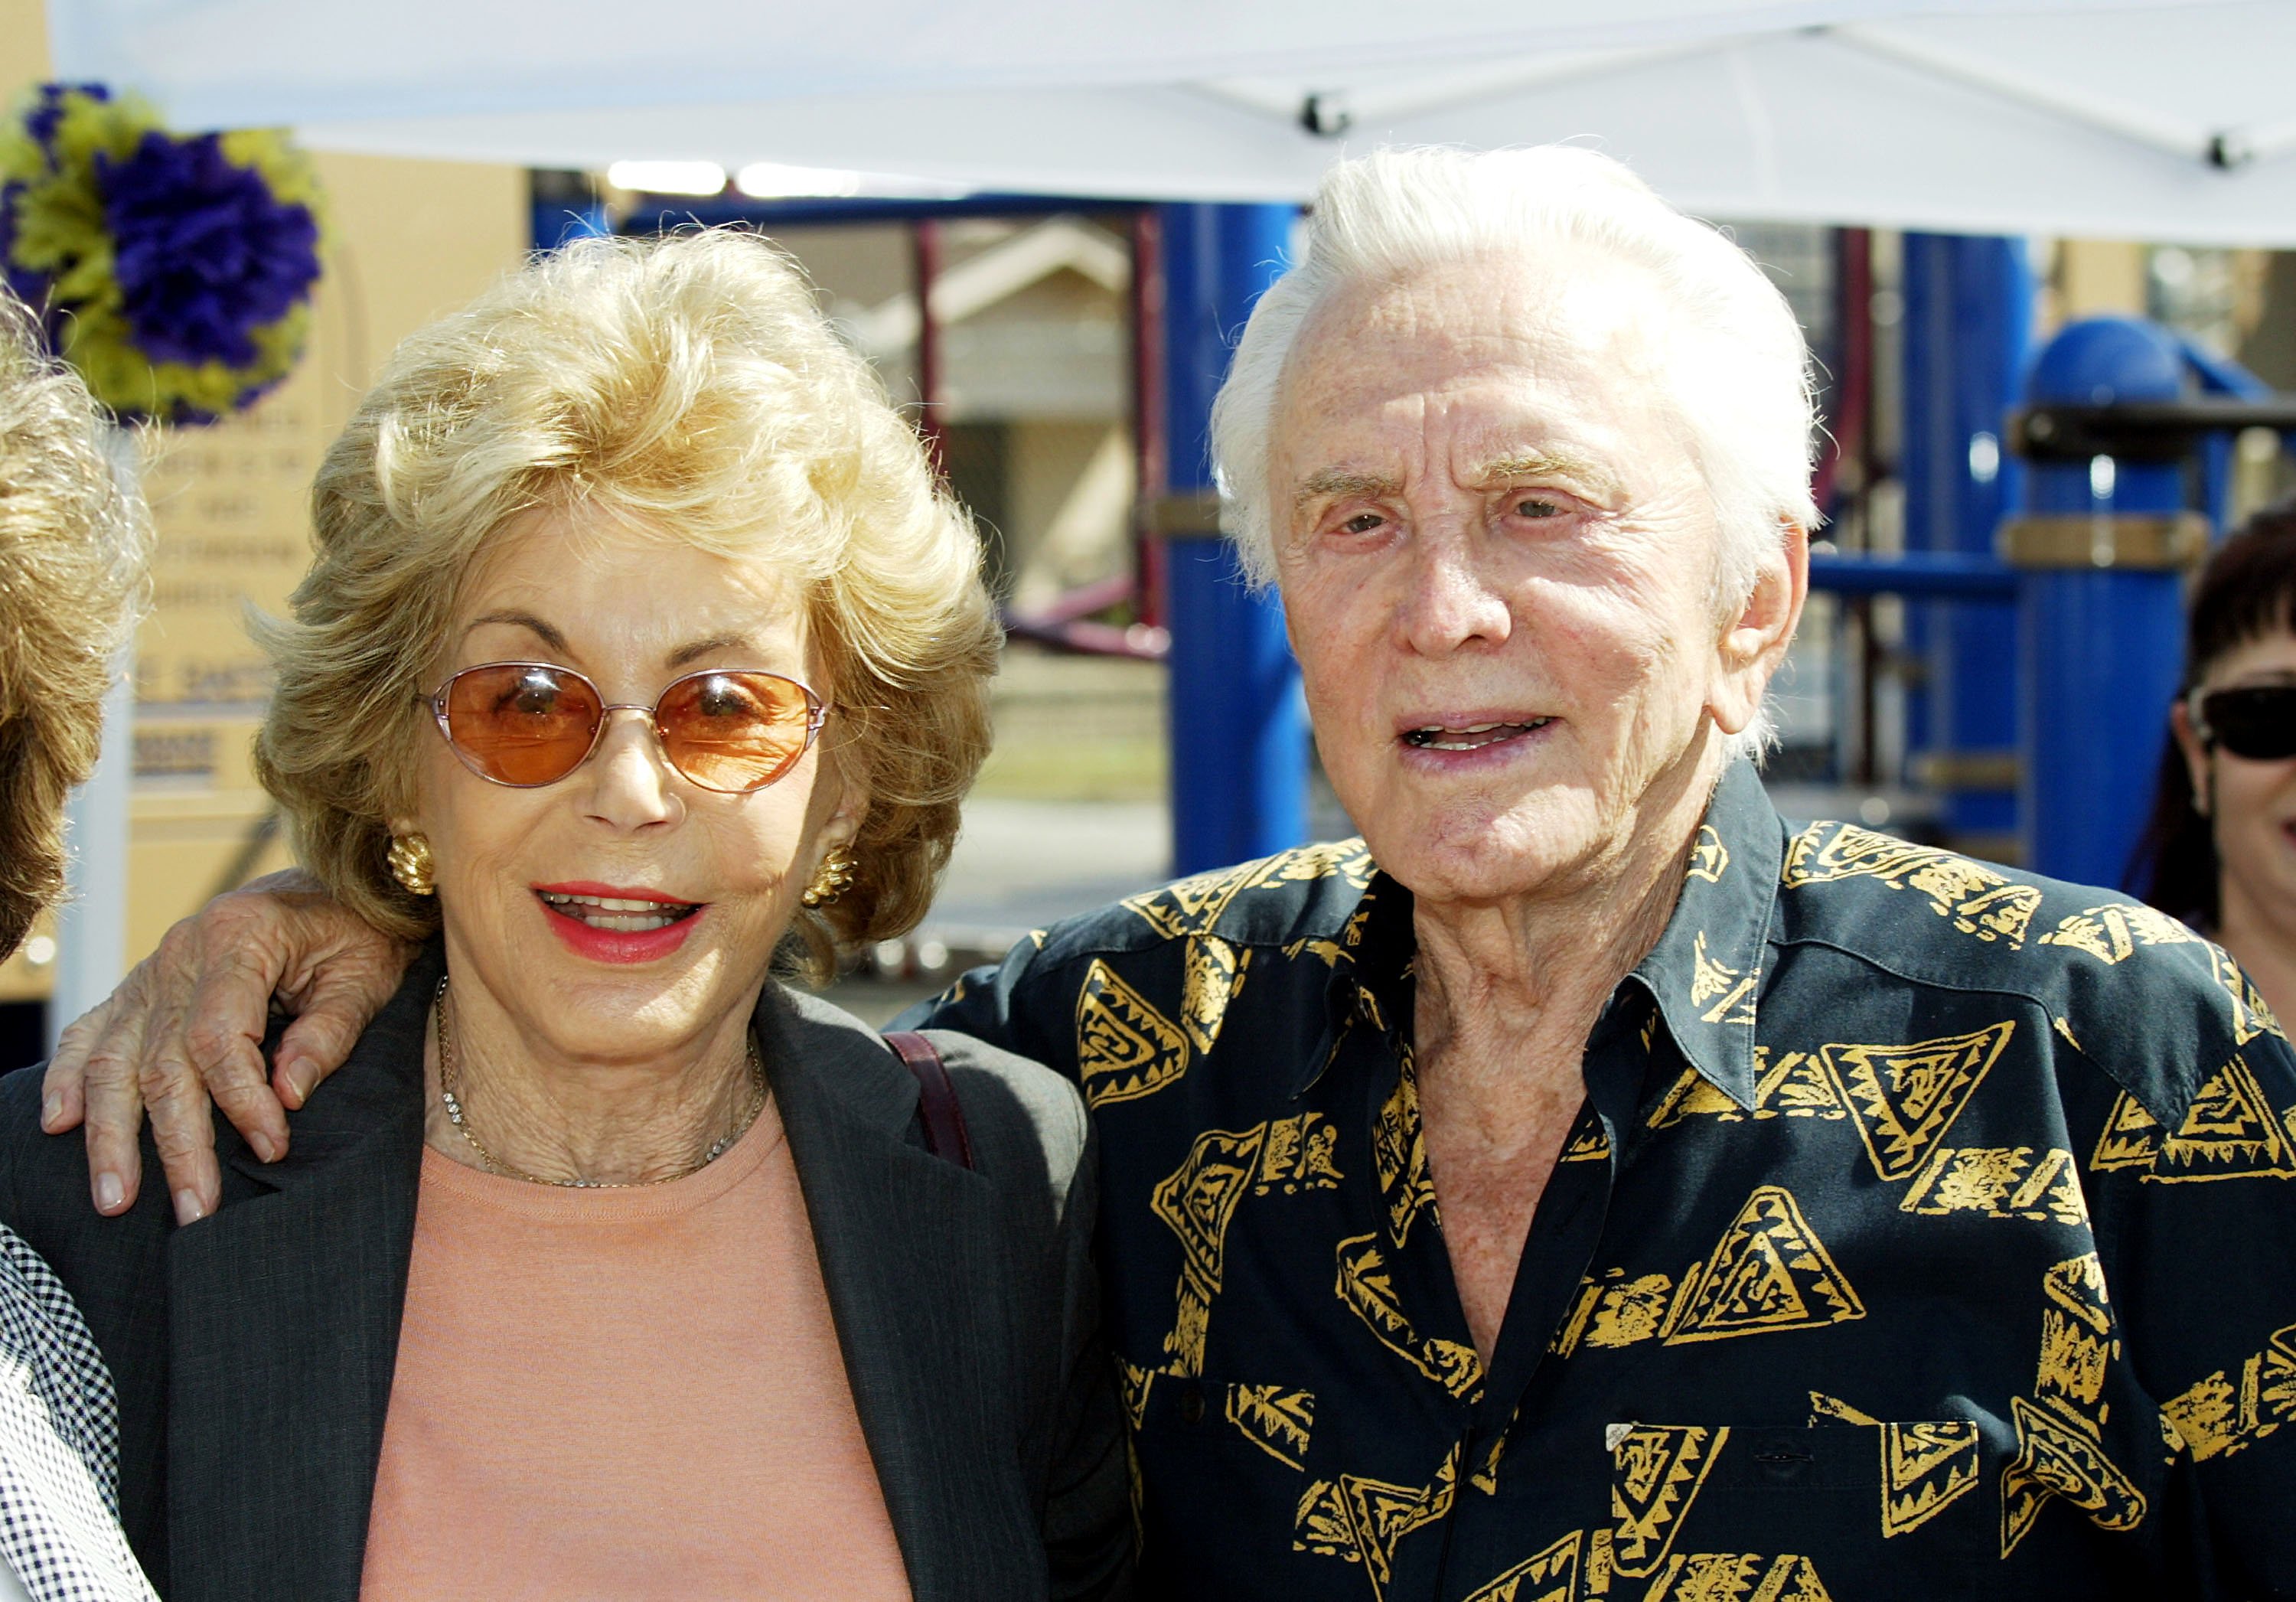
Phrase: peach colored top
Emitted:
{"points": [[623, 1393]]}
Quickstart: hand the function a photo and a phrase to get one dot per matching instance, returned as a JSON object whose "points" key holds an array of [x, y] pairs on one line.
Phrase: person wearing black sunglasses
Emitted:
{"points": [[2220, 848]]}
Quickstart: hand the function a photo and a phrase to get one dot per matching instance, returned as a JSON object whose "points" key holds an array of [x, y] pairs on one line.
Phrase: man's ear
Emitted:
{"points": [[1754, 640]]}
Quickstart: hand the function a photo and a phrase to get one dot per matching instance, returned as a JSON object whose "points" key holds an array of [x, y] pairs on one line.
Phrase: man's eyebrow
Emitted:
{"points": [[1328, 483], [699, 649], [1551, 463], [543, 631]]}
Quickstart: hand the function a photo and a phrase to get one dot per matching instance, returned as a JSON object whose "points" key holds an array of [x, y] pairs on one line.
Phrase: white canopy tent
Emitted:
{"points": [[2167, 120]]}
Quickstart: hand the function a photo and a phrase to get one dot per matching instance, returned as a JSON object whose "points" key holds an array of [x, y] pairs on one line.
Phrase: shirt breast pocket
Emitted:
{"points": [[1874, 1510]]}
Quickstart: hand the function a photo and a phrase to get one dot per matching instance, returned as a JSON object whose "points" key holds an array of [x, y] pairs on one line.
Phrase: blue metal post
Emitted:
{"points": [[1237, 725], [2102, 638], [1968, 338]]}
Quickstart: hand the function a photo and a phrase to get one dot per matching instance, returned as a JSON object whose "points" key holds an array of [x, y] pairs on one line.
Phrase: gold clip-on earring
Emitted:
{"points": [[412, 866], [831, 879]]}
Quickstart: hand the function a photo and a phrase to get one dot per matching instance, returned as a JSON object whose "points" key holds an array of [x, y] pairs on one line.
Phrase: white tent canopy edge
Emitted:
{"points": [[2169, 120]]}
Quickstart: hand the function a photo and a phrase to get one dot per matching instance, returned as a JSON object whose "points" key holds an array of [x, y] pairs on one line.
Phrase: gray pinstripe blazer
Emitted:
{"points": [[253, 1350]]}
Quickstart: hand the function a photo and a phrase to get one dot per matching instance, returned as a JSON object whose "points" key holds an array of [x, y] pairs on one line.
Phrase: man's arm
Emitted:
{"points": [[186, 1029], [1008, 1006], [2198, 1267]]}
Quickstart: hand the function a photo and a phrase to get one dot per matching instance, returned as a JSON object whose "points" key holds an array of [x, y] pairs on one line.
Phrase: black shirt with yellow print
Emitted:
{"points": [[1928, 1230]]}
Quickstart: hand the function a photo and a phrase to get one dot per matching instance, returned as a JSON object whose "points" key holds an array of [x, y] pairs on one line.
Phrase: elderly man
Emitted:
{"points": [[1582, 1185]]}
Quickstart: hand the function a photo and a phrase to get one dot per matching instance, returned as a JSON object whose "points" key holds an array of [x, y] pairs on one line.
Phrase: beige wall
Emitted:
{"points": [[408, 240], [2096, 276], [23, 45]]}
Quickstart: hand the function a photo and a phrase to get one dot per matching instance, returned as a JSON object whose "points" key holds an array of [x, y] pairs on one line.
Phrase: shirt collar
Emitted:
{"points": [[1705, 972], [1370, 978]]}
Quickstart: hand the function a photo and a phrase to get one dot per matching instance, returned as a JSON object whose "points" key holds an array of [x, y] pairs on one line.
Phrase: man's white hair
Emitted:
{"points": [[1736, 360]]}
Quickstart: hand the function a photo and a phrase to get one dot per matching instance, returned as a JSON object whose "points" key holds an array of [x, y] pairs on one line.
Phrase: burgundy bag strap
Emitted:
{"points": [[944, 1119]]}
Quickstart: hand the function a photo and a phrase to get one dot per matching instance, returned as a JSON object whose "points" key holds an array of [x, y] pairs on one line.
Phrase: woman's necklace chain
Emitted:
{"points": [[449, 1076]]}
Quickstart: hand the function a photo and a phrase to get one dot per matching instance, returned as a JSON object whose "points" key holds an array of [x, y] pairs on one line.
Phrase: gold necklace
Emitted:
{"points": [[495, 1165]]}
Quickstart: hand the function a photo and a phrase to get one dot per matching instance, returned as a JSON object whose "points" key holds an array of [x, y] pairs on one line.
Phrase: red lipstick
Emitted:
{"points": [[564, 907]]}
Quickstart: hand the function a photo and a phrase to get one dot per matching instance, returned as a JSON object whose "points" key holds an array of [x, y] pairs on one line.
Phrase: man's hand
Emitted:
{"points": [[187, 1025]]}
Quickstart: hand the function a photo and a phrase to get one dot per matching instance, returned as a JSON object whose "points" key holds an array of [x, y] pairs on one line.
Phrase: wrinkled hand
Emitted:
{"points": [[186, 1028]]}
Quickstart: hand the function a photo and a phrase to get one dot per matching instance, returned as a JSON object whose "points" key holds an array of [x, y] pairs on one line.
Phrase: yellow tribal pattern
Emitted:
{"points": [[1551, 1575], [2112, 933], [2000, 1182], [1368, 1291], [1362, 1520], [1656, 1473], [1979, 901], [1925, 1466], [1724, 994], [1904, 1099], [1199, 1199], [2234, 1409], [2059, 1451], [1398, 1152], [1710, 858], [1578, 1569], [2231, 1131], [2251, 1016], [1768, 1273], [1278, 1421], [1787, 1084], [1125, 1048], [1193, 906], [1738, 1577]]}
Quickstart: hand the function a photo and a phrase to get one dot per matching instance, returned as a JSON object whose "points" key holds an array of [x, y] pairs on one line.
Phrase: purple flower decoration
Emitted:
{"points": [[204, 252], [48, 111]]}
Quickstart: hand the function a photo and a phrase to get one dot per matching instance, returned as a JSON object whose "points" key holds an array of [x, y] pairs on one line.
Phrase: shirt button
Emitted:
{"points": [[1191, 1405]]}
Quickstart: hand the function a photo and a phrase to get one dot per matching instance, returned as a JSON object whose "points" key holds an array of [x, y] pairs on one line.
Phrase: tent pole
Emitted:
{"points": [[1236, 723]]}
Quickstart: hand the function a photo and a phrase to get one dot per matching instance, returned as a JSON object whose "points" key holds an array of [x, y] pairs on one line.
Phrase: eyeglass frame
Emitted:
{"points": [[817, 715], [2210, 737]]}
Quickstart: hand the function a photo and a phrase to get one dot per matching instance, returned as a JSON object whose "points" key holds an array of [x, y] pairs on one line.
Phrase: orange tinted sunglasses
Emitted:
{"points": [[529, 724]]}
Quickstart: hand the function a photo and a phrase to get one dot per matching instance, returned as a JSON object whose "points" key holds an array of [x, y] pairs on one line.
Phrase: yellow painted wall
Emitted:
{"points": [[2098, 276], [23, 45], [409, 240]]}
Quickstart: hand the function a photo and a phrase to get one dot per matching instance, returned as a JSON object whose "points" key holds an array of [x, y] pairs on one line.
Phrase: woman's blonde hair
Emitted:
{"points": [[687, 388], [72, 546]]}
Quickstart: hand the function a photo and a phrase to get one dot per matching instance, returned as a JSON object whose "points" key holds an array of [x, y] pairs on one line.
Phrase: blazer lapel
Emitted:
{"points": [[911, 1257], [284, 1309]]}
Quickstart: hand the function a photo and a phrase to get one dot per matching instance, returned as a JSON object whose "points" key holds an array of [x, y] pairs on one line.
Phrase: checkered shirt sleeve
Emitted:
{"points": [[59, 1444]]}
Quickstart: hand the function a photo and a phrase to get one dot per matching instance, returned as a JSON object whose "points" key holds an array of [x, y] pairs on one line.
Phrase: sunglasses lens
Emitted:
{"points": [[520, 724], [2258, 723], [735, 731]]}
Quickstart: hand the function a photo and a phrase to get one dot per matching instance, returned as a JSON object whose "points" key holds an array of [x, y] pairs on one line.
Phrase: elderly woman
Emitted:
{"points": [[1585, 1184], [2220, 851], [71, 547], [639, 651]]}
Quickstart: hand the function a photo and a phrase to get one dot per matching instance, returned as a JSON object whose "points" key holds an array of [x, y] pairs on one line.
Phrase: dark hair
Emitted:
{"points": [[2247, 591]]}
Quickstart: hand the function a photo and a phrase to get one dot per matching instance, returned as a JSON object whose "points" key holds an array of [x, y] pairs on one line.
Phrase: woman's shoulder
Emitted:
{"points": [[1019, 1114]]}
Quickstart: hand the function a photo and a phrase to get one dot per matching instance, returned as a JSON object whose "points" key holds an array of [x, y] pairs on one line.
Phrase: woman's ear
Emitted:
{"points": [[2196, 754]]}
